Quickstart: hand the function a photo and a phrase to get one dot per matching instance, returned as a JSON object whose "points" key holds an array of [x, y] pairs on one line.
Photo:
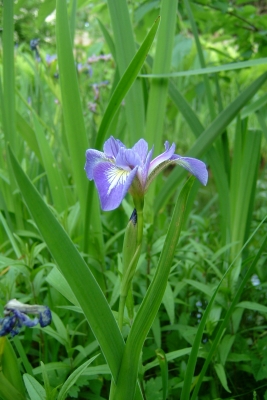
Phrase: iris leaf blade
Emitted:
{"points": [[76, 272], [71, 102], [125, 51], [124, 84], [210, 70]]}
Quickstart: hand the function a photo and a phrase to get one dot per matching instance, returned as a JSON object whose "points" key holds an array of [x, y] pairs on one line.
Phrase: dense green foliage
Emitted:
{"points": [[82, 80]]}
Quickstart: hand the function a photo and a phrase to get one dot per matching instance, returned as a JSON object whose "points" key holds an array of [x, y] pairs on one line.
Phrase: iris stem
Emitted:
{"points": [[131, 254], [121, 311], [126, 284], [140, 223]]}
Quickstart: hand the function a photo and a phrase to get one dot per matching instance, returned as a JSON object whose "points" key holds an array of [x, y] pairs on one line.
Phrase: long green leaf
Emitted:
{"points": [[72, 108], [243, 183], [201, 59], [8, 74], [156, 109], [125, 51], [210, 70], [7, 94], [27, 134], [10, 375], [162, 63], [125, 83], [76, 272], [74, 126], [50, 165], [127, 378]]}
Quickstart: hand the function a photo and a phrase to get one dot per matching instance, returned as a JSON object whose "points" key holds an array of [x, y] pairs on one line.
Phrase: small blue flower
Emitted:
{"points": [[34, 44], [16, 317], [34, 47], [50, 58], [118, 170]]}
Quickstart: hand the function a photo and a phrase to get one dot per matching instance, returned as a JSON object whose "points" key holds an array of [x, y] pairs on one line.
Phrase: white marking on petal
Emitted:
{"points": [[184, 164], [116, 176]]}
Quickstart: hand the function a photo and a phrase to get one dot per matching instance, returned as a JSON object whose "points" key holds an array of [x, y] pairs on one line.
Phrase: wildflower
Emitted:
{"points": [[16, 316], [34, 47], [92, 107], [34, 44], [94, 58], [50, 58], [118, 170]]}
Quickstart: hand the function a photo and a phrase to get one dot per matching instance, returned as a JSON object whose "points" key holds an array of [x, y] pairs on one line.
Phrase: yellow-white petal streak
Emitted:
{"points": [[116, 176]]}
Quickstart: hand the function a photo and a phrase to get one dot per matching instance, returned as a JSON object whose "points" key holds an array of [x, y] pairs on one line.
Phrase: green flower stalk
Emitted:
{"points": [[130, 256]]}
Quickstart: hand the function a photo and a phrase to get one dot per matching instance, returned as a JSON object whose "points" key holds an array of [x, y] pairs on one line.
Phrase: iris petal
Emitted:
{"points": [[7, 325], [143, 172], [128, 159], [196, 167], [112, 184], [141, 148], [25, 320], [115, 169], [45, 316], [92, 158], [168, 153], [112, 147]]}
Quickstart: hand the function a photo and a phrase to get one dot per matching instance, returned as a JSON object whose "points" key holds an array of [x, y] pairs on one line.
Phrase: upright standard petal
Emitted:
{"points": [[112, 184], [196, 167], [142, 172], [128, 159], [141, 148], [112, 147]]}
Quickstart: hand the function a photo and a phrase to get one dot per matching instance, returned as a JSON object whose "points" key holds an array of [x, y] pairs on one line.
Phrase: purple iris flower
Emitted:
{"points": [[16, 317], [118, 170]]}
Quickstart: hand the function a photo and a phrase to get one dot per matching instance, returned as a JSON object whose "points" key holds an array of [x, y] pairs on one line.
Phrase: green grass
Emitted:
{"points": [[198, 329]]}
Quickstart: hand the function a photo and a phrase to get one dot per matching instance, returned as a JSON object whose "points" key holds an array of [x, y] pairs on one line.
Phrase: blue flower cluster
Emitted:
{"points": [[16, 316]]}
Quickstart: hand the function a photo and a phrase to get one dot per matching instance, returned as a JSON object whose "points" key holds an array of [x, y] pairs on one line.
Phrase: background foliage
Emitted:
{"points": [[54, 97]]}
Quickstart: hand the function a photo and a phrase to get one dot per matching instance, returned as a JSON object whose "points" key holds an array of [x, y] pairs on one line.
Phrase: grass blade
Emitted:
{"points": [[53, 175], [124, 84], [73, 378], [158, 93], [125, 51], [8, 74], [162, 63], [210, 70], [72, 108]]}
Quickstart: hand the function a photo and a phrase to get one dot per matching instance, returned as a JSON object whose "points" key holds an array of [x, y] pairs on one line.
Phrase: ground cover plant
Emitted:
{"points": [[129, 269]]}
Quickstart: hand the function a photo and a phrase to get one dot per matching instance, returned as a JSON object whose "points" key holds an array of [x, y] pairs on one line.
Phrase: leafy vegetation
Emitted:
{"points": [[73, 74]]}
